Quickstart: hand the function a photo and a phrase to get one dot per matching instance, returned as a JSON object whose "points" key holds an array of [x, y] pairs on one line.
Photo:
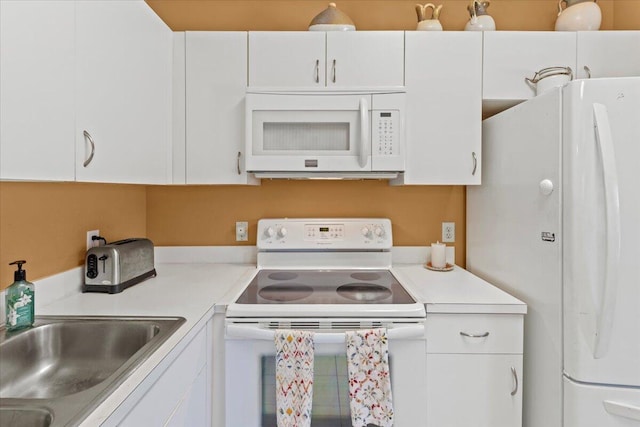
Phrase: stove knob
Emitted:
{"points": [[366, 232], [269, 232], [379, 231], [282, 232]]}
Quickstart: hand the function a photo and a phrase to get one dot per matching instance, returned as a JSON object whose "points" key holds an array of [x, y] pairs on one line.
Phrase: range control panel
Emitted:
{"points": [[325, 234]]}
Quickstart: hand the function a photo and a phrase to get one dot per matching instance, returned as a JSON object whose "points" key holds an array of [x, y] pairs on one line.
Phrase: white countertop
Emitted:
{"points": [[456, 291], [185, 290], [192, 290]]}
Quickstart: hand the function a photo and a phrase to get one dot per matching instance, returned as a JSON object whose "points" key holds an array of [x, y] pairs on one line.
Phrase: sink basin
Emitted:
{"points": [[34, 417], [68, 365]]}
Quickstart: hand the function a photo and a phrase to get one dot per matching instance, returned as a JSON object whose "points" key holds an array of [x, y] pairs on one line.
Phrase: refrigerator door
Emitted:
{"points": [[601, 223], [514, 238], [598, 406]]}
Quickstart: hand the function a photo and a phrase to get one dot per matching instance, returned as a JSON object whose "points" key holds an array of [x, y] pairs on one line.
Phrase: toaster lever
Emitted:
{"points": [[103, 258]]}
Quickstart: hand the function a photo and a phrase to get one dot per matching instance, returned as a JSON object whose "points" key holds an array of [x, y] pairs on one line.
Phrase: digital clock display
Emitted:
{"points": [[323, 229]]}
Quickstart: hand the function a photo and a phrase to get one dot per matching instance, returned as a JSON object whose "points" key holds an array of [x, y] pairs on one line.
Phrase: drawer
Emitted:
{"points": [[485, 333]]}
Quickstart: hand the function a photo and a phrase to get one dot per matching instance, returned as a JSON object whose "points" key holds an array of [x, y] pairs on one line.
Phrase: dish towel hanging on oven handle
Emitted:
{"points": [[294, 377], [369, 382]]}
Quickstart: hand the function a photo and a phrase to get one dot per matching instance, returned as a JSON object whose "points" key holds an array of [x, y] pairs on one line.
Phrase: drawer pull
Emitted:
{"points": [[464, 334], [515, 377]]}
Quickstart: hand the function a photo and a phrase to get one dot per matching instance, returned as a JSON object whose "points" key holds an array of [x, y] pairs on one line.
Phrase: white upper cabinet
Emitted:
{"points": [[608, 54], [123, 88], [308, 59], [444, 107], [366, 58], [289, 59], [216, 81], [37, 44], [511, 56]]}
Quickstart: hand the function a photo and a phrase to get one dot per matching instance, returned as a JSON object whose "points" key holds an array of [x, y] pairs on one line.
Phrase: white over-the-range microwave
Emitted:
{"points": [[325, 134]]}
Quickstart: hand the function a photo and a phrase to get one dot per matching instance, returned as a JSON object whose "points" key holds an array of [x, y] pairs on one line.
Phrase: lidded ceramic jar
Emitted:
{"points": [[480, 20], [579, 15], [332, 19]]}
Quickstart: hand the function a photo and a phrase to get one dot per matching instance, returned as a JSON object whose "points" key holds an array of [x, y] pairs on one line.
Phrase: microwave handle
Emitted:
{"points": [[256, 333], [364, 133]]}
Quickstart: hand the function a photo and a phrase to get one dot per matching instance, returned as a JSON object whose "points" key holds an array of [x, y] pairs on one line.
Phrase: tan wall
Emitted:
{"points": [[46, 223], [626, 15], [206, 215], [535, 15]]}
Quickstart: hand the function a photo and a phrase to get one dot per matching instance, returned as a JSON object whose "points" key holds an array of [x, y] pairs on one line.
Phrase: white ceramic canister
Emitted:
{"points": [[479, 20], [584, 15], [550, 77]]}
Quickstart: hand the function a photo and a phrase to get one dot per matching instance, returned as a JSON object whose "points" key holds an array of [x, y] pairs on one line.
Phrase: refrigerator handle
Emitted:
{"points": [[604, 320], [622, 409]]}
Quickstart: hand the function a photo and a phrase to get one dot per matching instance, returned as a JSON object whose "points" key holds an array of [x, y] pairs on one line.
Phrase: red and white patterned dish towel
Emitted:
{"points": [[294, 377], [369, 382]]}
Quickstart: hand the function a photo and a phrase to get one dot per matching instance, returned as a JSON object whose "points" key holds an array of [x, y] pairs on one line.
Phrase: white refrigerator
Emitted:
{"points": [[556, 222]]}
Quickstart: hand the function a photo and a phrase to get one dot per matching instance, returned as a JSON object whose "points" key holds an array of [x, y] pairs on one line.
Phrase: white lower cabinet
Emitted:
{"points": [[181, 396], [474, 370]]}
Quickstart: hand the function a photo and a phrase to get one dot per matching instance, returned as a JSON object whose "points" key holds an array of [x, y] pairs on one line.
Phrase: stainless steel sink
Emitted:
{"points": [[57, 372], [34, 417]]}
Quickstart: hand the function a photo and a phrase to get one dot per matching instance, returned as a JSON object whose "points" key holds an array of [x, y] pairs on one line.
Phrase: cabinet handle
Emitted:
{"points": [[464, 334], [588, 71], [515, 378], [317, 71], [475, 162], [238, 164], [87, 136], [333, 72]]}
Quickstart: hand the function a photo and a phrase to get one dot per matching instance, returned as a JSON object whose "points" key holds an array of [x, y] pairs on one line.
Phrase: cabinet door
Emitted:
{"points": [[510, 56], [608, 54], [182, 387], [37, 86], [444, 107], [480, 390], [216, 86], [287, 59], [365, 58], [123, 92]]}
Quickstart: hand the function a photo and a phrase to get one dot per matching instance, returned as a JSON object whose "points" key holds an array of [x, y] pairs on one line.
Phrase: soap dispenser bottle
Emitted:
{"points": [[20, 300]]}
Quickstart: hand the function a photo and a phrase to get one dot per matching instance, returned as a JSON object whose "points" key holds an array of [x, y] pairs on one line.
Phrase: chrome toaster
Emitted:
{"points": [[118, 265]]}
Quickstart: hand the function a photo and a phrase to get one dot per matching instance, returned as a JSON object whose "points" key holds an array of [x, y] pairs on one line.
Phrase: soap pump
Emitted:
{"points": [[20, 300]]}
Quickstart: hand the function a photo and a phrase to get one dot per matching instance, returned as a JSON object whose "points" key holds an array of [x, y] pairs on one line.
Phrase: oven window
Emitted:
{"points": [[330, 392], [295, 136]]}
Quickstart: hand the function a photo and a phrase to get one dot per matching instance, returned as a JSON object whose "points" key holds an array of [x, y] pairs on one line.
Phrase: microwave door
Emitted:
{"points": [[311, 134]]}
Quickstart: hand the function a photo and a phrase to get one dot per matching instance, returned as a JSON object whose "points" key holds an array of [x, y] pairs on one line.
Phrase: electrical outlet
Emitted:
{"points": [[90, 242], [242, 231], [448, 232]]}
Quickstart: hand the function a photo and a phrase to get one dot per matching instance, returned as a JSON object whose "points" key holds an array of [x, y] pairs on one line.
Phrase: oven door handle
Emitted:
{"points": [[253, 333]]}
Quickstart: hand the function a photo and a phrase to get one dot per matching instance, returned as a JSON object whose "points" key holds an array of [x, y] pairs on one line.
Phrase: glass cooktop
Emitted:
{"points": [[325, 287]]}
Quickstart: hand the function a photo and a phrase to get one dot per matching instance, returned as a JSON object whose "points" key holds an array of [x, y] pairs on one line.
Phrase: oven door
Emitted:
{"points": [[250, 389]]}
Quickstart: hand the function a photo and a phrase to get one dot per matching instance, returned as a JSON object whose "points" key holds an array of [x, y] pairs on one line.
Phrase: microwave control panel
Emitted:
{"points": [[384, 132]]}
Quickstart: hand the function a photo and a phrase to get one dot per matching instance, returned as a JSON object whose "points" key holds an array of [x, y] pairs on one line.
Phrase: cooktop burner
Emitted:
{"points": [[324, 287], [283, 292], [364, 291]]}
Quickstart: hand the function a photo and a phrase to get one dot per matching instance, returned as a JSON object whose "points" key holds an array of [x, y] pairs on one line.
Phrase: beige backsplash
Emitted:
{"points": [[46, 222]]}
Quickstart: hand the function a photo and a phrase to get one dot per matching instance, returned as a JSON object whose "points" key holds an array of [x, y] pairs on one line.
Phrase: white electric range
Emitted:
{"points": [[329, 276]]}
